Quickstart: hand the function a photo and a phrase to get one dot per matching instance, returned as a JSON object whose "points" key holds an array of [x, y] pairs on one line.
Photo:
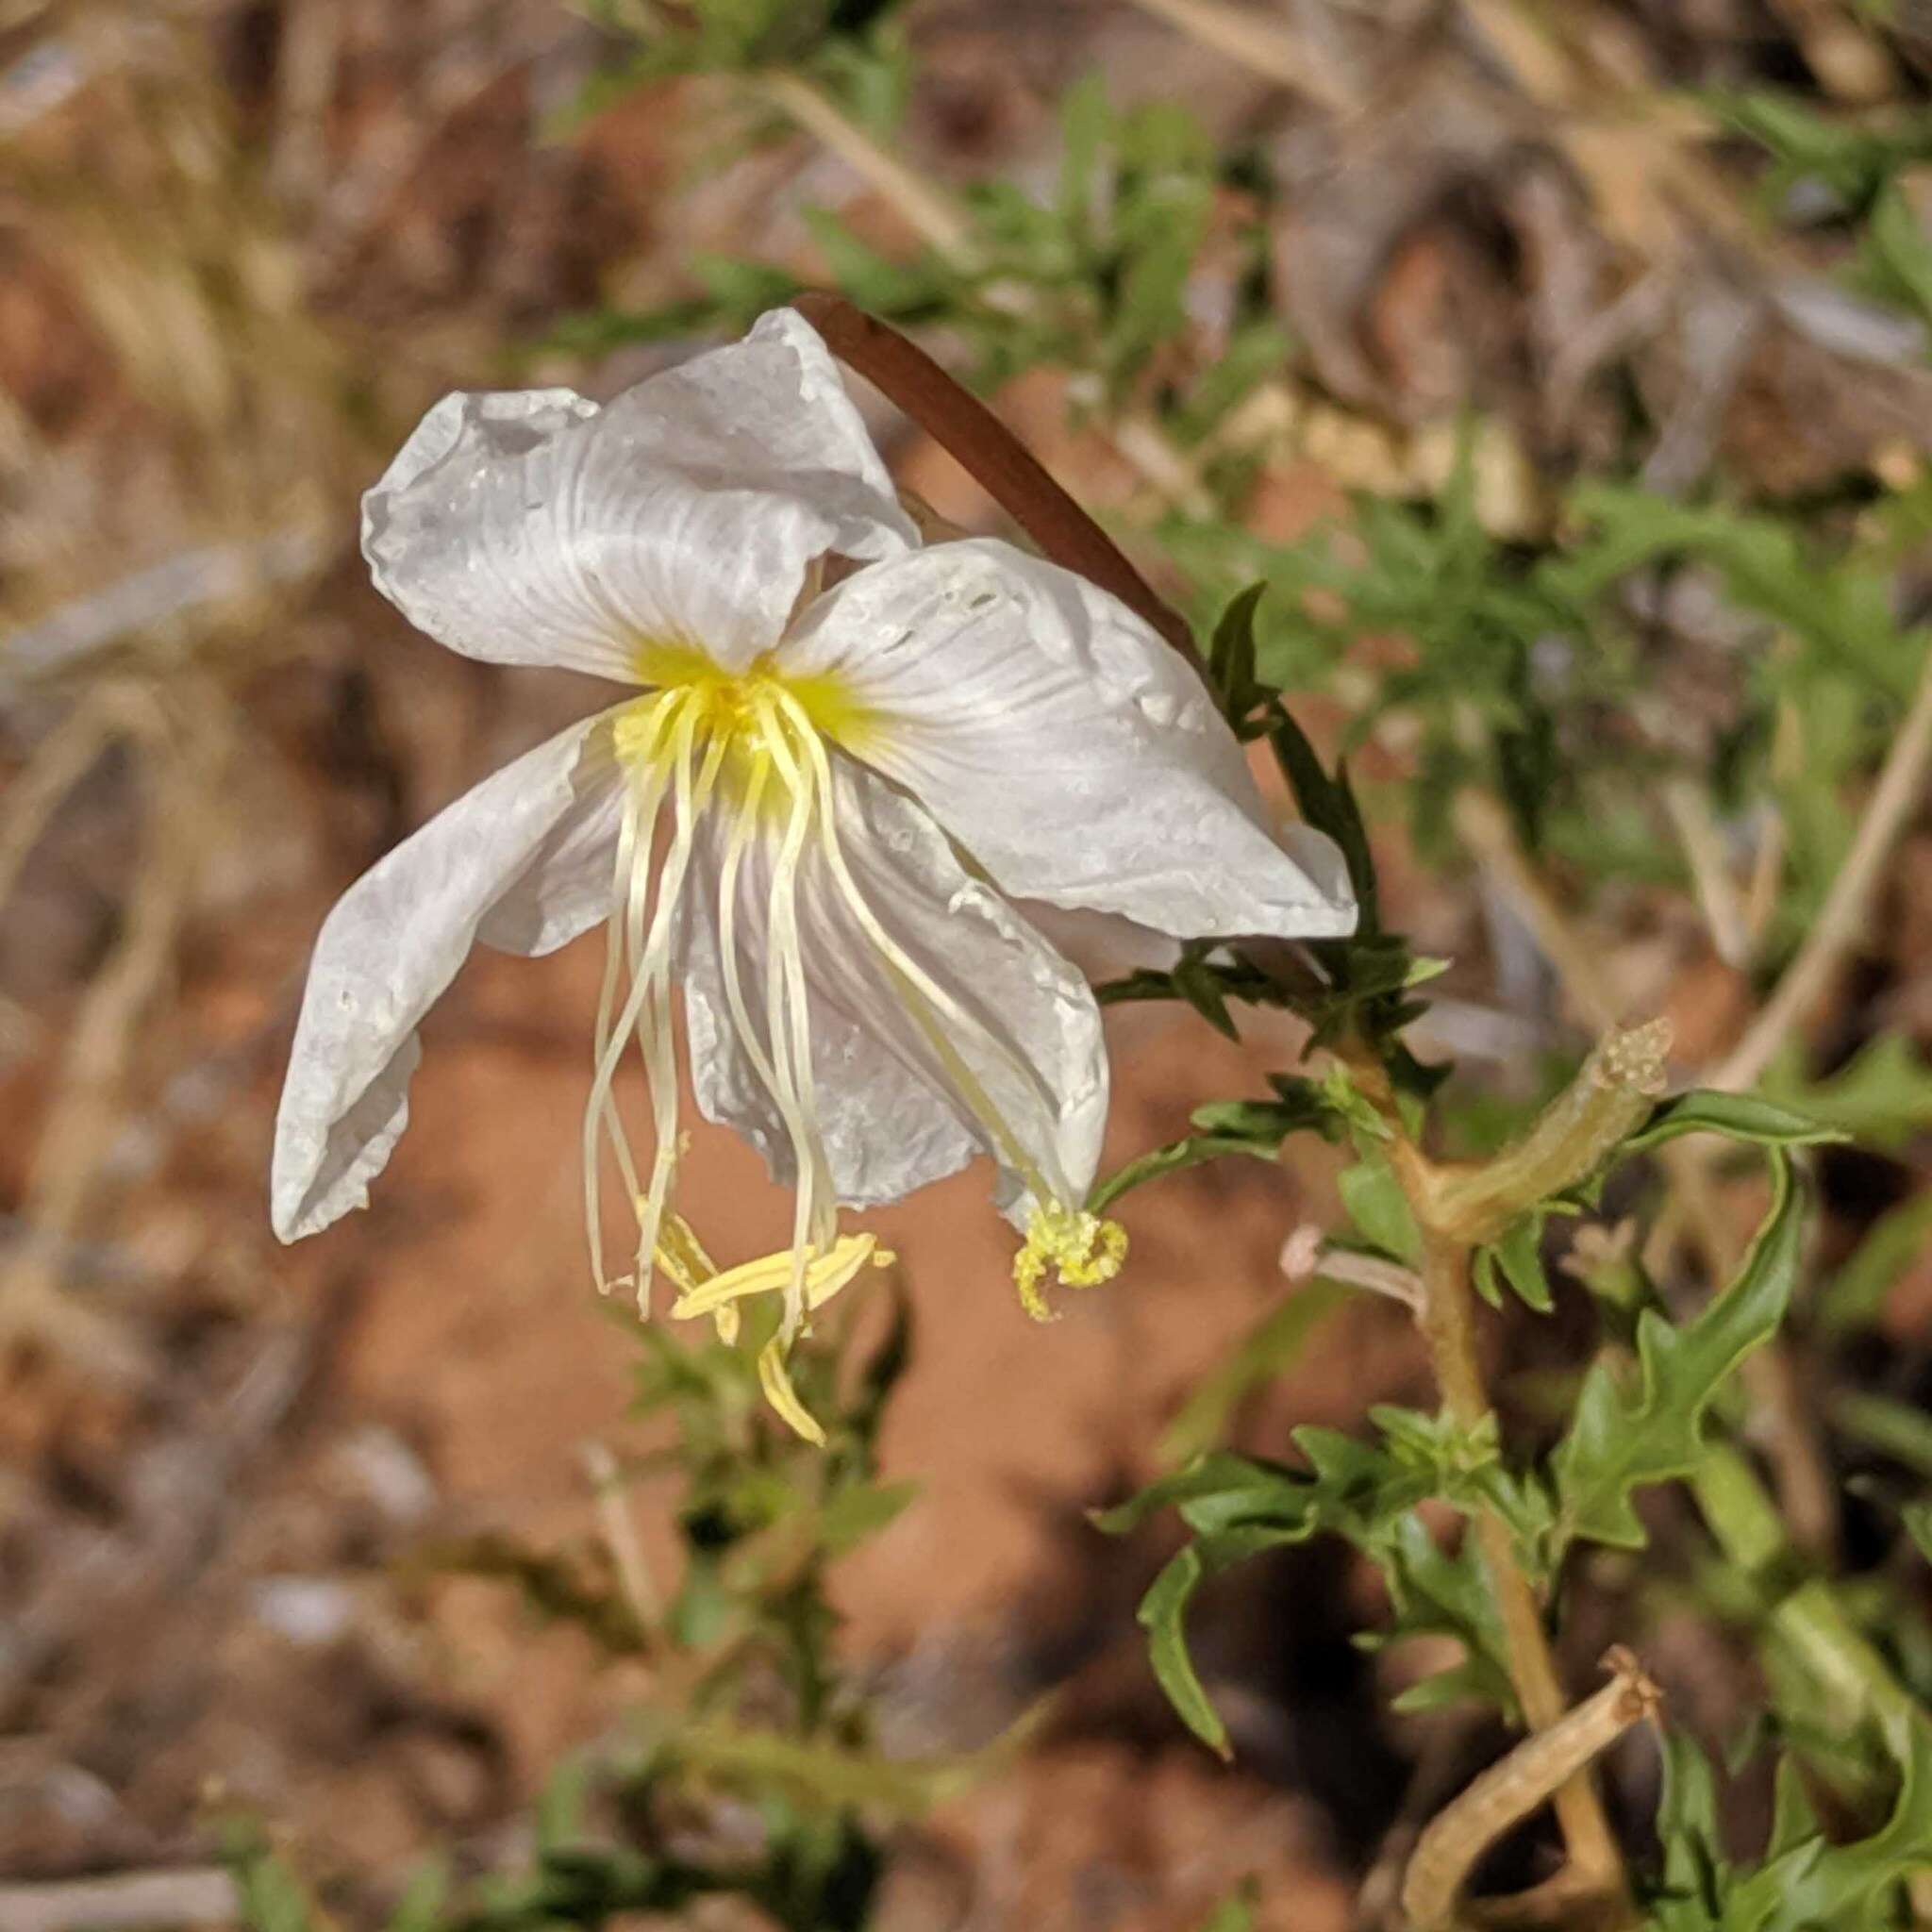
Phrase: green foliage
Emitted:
{"points": [[1369, 1494], [1805, 1882], [765, 1715], [1855, 1296], [1624, 1434], [848, 41], [1515, 1258], [1735, 1116], [1882, 1097], [1857, 166]]}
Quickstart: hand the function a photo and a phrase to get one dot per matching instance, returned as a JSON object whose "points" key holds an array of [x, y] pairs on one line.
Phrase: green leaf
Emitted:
{"points": [[1816, 1884], [1898, 251], [1161, 1614], [271, 1896], [1216, 1474], [1623, 1437], [1192, 1150], [1898, 1429], [1855, 1296], [1376, 1202], [1695, 1873], [1231, 655], [861, 1511], [420, 1908], [1840, 607], [1196, 981], [1737, 1116], [1328, 804], [1235, 1914], [1882, 1098], [1516, 1254], [1917, 1518]]}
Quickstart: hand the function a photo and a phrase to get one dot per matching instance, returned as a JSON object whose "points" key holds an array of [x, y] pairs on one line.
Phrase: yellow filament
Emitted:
{"points": [[1082, 1249], [824, 1275], [757, 740]]}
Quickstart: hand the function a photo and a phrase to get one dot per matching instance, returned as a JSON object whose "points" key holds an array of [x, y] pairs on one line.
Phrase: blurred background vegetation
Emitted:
{"points": [[1565, 373]]}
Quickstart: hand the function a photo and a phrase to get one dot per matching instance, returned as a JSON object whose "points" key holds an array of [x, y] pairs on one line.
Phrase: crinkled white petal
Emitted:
{"points": [[1065, 745], [892, 1115], [512, 860], [534, 527]]}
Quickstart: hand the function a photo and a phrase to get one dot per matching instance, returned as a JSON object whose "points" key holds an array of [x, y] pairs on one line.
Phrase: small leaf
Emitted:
{"points": [[1163, 1614], [1518, 1256], [1622, 1438], [420, 1908], [1816, 1884], [861, 1511], [1328, 804], [1190, 1151], [1856, 1295], [1197, 983], [1376, 1203], [1737, 1116], [1882, 1098], [1917, 1518], [1901, 1430], [1231, 655]]}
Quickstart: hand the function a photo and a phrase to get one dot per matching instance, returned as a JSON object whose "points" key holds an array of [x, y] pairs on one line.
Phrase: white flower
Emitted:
{"points": [[846, 756]]}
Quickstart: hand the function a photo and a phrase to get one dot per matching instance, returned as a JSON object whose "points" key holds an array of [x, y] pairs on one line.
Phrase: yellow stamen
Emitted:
{"points": [[824, 1275], [754, 745], [1082, 1250], [775, 1379]]}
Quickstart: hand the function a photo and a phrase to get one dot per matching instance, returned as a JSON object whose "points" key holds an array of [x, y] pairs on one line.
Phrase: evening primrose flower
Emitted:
{"points": [[846, 761]]}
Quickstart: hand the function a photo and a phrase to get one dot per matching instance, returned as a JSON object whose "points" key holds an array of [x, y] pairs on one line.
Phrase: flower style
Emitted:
{"points": [[847, 759]]}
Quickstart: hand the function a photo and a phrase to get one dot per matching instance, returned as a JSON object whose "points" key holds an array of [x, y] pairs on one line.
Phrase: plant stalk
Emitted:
{"points": [[1447, 1321]]}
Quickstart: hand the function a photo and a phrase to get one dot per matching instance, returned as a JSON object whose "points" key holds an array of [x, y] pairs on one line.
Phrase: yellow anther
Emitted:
{"points": [[775, 1379], [1082, 1250], [826, 1273]]}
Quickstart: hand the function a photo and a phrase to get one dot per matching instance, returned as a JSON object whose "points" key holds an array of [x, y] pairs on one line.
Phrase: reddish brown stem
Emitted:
{"points": [[968, 432]]}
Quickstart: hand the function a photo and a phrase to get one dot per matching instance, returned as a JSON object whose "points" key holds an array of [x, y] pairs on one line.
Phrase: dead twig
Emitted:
{"points": [[1502, 1796], [126, 1902], [1900, 790]]}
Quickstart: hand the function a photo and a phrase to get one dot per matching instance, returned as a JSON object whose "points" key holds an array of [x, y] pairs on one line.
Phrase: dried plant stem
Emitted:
{"points": [[1900, 791], [938, 222], [1505, 1795], [1710, 872], [125, 1901], [621, 1536], [1485, 828], [68, 1156], [929, 212], [58, 763], [1261, 44]]}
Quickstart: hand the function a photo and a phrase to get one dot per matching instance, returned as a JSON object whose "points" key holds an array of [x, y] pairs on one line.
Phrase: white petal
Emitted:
{"points": [[1064, 744], [535, 528], [395, 941], [892, 1115]]}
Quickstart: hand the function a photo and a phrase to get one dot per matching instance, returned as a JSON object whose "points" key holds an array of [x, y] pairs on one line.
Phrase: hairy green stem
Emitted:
{"points": [[1617, 1087]]}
